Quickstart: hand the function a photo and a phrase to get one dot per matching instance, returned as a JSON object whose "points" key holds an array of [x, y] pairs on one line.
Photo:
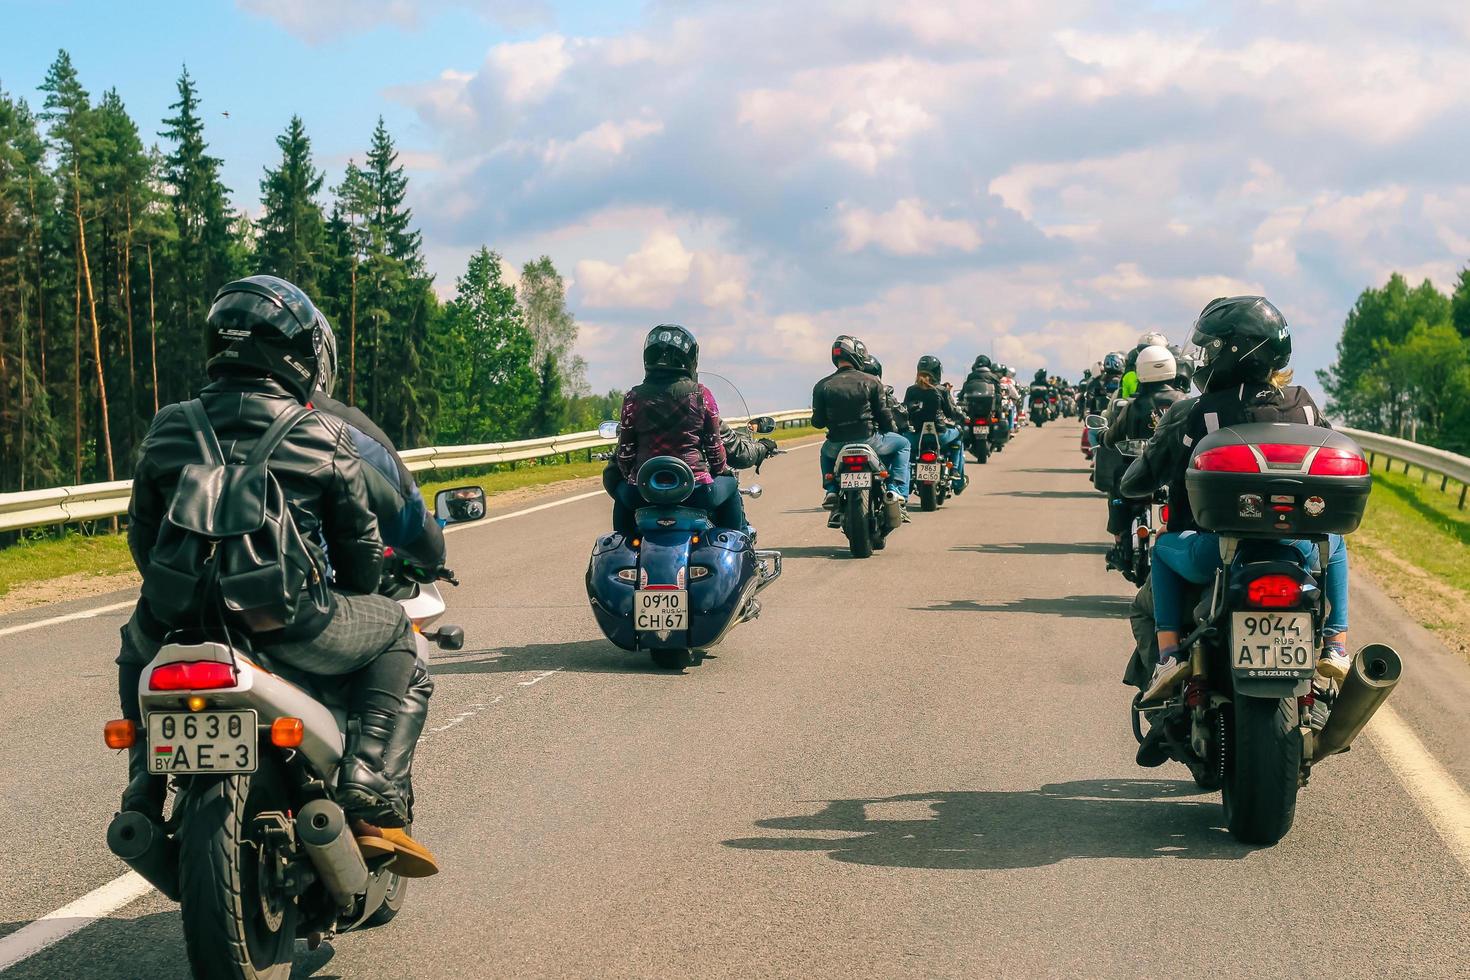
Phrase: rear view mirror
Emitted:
{"points": [[764, 424], [609, 430], [459, 505], [1095, 422]]}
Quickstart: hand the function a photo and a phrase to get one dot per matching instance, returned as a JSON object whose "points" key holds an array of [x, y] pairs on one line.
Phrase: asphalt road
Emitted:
{"points": [[915, 765]]}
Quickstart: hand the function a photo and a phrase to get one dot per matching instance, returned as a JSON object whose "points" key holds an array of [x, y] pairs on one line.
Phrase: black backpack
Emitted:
{"points": [[229, 552]]}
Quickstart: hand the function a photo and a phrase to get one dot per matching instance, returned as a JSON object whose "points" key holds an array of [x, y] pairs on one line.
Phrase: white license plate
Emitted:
{"points": [[660, 610], [981, 430], [855, 481], [926, 472], [1269, 644], [202, 741]]}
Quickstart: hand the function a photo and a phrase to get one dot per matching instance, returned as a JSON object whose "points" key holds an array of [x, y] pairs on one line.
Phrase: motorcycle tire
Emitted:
{"points": [[392, 903], [1039, 420], [1262, 766], [855, 525], [671, 659], [928, 497], [231, 931], [982, 453]]}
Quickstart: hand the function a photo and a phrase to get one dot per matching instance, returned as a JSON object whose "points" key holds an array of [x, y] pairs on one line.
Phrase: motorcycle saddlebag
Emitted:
{"points": [[1278, 480]]}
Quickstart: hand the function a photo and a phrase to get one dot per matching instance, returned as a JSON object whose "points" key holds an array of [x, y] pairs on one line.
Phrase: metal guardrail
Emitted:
{"points": [[1446, 465], [63, 505]]}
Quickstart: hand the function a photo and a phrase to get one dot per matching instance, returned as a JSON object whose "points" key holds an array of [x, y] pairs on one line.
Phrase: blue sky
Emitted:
{"points": [[1044, 180]]}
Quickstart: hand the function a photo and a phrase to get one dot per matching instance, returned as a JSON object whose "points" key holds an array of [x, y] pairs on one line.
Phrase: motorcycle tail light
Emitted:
{"points": [[1164, 514], [1274, 592], [1291, 455], [195, 675], [1227, 459], [120, 734], [287, 733], [855, 463], [698, 572], [928, 457], [1338, 462]]}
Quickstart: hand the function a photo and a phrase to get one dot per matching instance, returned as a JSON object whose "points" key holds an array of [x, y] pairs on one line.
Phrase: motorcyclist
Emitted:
{"points": [[930, 400], [1129, 384], [1105, 383], [1040, 390], [851, 406], [265, 338], [1246, 347], [981, 392], [1137, 419], [672, 414], [1011, 394]]}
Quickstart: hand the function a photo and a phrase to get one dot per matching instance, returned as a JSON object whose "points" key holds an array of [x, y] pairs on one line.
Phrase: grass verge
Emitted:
{"points": [[40, 560]]}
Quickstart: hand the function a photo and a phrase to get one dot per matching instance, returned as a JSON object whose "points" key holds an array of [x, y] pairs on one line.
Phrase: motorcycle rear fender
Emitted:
{"points": [[255, 687], [865, 450], [1240, 576]]}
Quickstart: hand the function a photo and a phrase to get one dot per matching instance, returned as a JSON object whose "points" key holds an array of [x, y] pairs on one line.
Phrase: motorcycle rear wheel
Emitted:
{"points": [[671, 659], [234, 927], [928, 497], [1262, 765], [855, 525]]}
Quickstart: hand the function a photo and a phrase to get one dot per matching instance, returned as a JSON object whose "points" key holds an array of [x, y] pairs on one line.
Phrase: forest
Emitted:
{"points": [[112, 246], [1403, 364]]}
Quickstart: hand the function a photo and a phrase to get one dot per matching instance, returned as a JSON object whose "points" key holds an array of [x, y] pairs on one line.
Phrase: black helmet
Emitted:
{"points": [[929, 364], [669, 345], [1113, 363], [873, 366], [983, 361], [326, 359], [1184, 373], [1243, 338], [265, 325], [849, 349], [1040, 376], [1130, 361]]}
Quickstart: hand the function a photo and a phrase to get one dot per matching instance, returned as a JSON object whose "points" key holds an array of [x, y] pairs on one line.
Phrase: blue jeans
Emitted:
{"points": [[951, 444], [892, 450], [1193, 556]]}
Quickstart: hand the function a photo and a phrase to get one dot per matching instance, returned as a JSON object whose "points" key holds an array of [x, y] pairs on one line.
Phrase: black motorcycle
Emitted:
{"points": [[862, 510]]}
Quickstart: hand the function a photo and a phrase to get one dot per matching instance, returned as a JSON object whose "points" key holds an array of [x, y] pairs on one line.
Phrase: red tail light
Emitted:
{"points": [[1338, 462], [928, 457], [1292, 455], [1164, 514], [855, 462], [1274, 592], [197, 675], [1226, 459]]}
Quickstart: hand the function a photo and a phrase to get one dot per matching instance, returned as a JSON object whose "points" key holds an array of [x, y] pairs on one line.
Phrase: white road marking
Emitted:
{"points": [[50, 929], [1440, 798], [540, 677], [85, 614]]}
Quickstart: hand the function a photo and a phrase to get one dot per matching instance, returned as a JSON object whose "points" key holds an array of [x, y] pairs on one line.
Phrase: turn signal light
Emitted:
{"points": [[286, 733], [1338, 462], [1142, 532], [196, 675], [1274, 592], [120, 734]]}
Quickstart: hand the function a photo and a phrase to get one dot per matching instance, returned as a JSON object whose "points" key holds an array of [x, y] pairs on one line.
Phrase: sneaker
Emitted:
{"points": [[1167, 675], [829, 501], [1334, 663]]}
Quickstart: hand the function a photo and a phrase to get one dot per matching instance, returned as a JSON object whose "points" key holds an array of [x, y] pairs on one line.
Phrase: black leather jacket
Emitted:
{"points": [[850, 405], [935, 405], [316, 465]]}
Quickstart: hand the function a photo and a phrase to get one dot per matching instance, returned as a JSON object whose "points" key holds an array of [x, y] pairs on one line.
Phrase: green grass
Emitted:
{"points": [[45, 559], [1420, 524]]}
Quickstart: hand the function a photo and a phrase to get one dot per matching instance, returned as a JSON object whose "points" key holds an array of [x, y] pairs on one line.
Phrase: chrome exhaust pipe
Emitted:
{"points": [[144, 846], [322, 828], [1371, 679]]}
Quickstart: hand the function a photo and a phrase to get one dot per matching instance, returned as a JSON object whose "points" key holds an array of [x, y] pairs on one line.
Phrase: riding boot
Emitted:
{"points": [[398, 760], [145, 792], [364, 789]]}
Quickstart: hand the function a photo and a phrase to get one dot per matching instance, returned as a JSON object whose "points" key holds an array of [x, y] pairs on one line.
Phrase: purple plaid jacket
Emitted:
{"points": [[671, 415]]}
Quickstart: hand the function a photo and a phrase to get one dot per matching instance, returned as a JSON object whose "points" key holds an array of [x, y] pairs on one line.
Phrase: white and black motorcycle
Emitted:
{"points": [[255, 849]]}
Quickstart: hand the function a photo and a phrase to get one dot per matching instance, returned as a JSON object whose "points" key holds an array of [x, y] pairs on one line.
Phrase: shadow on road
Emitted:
{"points": [[835, 551], [1071, 606], [582, 656], [1035, 548], [1048, 494], [1056, 469], [806, 510], [972, 831]]}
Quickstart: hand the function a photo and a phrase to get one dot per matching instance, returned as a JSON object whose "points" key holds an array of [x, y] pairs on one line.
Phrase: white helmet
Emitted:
{"points": [[1156, 363], [1152, 339], [1096, 368]]}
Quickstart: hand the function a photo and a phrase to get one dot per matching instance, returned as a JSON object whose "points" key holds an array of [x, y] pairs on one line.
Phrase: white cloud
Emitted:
{"points": [[662, 273], [320, 21], [905, 230]]}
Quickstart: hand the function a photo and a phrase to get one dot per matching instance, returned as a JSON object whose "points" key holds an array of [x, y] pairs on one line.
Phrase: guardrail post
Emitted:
{"points": [[1463, 488], [1444, 481]]}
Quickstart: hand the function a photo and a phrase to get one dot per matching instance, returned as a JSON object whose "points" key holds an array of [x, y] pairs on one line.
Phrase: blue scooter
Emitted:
{"points": [[680, 584]]}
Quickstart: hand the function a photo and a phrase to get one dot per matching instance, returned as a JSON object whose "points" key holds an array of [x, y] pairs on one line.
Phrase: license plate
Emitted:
{"points": [[661, 610], [855, 481], [981, 430], [202, 742], [926, 472], [1273, 644]]}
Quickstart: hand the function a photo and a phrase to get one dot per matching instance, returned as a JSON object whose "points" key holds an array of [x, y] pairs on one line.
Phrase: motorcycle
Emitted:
{"points": [[932, 473], [679, 585], [1135, 557], [1248, 719], [863, 510], [255, 850], [978, 438], [1069, 404], [1039, 411]]}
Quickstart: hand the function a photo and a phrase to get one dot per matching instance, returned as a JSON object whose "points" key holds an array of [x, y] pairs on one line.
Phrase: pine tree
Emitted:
{"points": [[291, 226], [489, 386]]}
